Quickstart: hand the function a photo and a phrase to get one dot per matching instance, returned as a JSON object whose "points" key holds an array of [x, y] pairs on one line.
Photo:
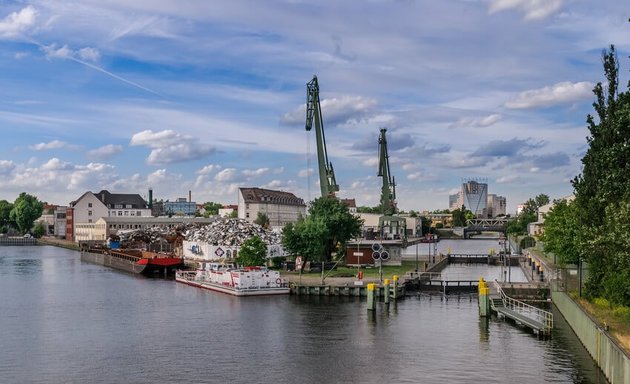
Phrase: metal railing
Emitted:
{"points": [[539, 315]]}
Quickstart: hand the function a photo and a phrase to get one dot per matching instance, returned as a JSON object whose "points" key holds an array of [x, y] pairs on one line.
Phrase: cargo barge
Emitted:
{"points": [[133, 260]]}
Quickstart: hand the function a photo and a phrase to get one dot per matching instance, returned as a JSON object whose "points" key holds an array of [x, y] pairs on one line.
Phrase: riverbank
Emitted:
{"points": [[48, 240]]}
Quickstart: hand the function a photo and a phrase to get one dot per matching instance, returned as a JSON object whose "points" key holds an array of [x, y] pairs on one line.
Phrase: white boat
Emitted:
{"points": [[225, 278]]}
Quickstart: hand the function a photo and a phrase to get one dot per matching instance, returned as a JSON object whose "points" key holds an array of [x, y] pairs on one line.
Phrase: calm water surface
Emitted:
{"points": [[64, 321]]}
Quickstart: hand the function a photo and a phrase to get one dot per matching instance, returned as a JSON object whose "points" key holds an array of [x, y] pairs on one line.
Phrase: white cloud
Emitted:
{"points": [[228, 174], [89, 54], [560, 93], [305, 172], [255, 172], [56, 164], [168, 147], [336, 110], [210, 168], [6, 166], [105, 152], [477, 122], [533, 9], [55, 144], [17, 22], [509, 179]]}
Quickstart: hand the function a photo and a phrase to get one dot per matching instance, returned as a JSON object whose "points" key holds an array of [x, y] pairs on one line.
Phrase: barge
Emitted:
{"points": [[133, 260]]}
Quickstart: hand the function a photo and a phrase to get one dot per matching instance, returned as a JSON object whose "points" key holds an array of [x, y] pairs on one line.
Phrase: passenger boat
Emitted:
{"points": [[133, 260], [226, 278]]}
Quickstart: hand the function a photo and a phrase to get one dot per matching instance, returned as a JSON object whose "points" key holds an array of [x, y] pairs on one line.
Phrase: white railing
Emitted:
{"points": [[534, 313]]}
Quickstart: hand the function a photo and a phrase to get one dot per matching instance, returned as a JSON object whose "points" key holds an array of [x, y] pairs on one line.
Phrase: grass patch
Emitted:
{"points": [[616, 318], [371, 272]]}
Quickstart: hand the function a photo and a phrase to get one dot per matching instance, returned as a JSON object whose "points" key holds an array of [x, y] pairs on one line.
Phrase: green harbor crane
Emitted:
{"points": [[391, 227], [327, 181]]}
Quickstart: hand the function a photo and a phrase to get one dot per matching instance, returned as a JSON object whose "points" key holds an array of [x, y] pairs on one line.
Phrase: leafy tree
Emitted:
{"points": [[212, 208], [233, 215], [39, 230], [519, 226], [562, 233], [262, 219], [425, 225], [26, 209], [532, 205], [252, 253], [304, 238], [364, 209], [604, 180], [461, 216], [328, 226], [5, 212]]}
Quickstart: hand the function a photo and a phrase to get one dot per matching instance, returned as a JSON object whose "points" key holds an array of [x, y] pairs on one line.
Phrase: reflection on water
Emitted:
{"points": [[73, 322]]}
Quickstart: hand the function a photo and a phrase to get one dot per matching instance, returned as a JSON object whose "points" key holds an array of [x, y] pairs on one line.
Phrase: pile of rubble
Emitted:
{"points": [[223, 231], [231, 232]]}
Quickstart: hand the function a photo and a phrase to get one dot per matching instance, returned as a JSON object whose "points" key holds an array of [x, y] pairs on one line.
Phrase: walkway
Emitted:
{"points": [[536, 319]]}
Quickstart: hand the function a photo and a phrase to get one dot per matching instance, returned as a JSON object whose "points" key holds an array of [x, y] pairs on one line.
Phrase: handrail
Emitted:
{"points": [[534, 313]]}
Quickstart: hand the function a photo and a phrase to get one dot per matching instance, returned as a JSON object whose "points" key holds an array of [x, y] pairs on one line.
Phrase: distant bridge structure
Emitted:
{"points": [[475, 226]]}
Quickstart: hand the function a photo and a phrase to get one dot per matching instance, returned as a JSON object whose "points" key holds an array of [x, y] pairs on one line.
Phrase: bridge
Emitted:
{"points": [[485, 225]]}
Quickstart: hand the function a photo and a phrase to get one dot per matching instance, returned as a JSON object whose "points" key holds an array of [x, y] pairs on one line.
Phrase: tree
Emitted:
{"points": [[328, 226], [532, 205], [39, 229], [604, 180], [5, 213], [253, 252], [262, 219], [562, 233], [461, 216], [211, 208], [26, 209]]}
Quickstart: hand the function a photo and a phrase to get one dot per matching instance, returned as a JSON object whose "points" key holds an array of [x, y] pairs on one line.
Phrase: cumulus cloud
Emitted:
{"points": [[6, 166], [169, 147], [55, 144], [208, 169], [52, 51], [305, 172], [17, 22], [560, 93], [105, 152], [255, 172], [228, 174], [533, 9], [476, 122], [56, 164], [335, 110]]}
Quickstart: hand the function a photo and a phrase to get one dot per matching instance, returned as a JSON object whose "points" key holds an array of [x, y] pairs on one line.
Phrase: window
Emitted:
{"points": [[89, 213], [119, 213], [128, 206], [132, 213], [89, 205], [89, 220], [126, 213], [118, 206], [139, 213], [247, 215]]}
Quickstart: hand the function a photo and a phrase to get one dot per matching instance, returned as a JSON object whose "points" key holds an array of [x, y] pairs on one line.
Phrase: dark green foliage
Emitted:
{"points": [[25, 210], [211, 208], [562, 233], [461, 216], [527, 242], [5, 213], [252, 252], [39, 230], [326, 229]]}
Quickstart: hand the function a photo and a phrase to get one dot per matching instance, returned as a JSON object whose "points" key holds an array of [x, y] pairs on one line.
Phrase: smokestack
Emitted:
{"points": [[189, 196], [150, 198]]}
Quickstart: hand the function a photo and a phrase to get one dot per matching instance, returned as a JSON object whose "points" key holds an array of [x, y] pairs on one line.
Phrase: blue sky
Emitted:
{"points": [[209, 96]]}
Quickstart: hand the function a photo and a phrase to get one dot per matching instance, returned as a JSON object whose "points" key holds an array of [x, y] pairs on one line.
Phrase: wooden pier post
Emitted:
{"points": [[395, 287], [484, 302], [386, 290]]}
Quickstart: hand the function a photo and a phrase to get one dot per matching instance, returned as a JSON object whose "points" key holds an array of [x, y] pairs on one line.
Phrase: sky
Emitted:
{"points": [[209, 96]]}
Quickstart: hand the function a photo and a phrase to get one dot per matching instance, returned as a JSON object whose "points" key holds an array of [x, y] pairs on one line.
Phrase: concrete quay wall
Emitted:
{"points": [[611, 359]]}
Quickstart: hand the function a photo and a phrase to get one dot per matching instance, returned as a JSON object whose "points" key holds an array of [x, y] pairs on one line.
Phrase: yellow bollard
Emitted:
{"points": [[370, 296]]}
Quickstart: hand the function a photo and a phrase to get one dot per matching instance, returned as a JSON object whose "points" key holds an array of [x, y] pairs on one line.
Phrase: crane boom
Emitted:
{"points": [[327, 181], [388, 190]]}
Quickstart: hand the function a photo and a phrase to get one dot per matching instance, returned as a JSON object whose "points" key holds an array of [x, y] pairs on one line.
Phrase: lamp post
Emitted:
{"points": [[416, 257]]}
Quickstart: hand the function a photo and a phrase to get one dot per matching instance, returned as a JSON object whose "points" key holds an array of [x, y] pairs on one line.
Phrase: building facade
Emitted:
{"points": [[280, 207], [474, 196], [180, 207], [496, 205]]}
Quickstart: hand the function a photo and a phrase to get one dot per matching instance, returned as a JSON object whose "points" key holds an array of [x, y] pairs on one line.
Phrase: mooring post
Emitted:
{"points": [[484, 302], [395, 287], [370, 296], [386, 290]]}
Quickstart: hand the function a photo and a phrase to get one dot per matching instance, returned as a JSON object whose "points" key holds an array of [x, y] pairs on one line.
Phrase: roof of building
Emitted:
{"points": [[350, 203], [260, 195], [110, 200]]}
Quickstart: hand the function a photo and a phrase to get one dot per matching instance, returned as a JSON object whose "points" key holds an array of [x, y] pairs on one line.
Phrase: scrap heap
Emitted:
{"points": [[223, 231]]}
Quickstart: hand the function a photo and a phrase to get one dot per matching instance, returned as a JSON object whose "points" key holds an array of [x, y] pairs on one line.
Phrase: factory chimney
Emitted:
{"points": [[150, 198], [189, 196]]}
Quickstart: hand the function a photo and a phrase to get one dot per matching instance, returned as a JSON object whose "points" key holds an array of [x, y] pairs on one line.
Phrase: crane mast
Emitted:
{"points": [[327, 181], [388, 190]]}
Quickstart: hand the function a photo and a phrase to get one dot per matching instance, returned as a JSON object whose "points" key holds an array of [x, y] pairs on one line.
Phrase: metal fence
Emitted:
{"points": [[570, 278]]}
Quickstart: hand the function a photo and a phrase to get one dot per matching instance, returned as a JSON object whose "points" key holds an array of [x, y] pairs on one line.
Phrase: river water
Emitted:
{"points": [[65, 321]]}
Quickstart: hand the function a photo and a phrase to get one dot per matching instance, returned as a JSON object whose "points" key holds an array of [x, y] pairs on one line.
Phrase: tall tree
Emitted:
{"points": [[262, 219], [327, 227], [212, 208], [252, 253], [604, 179], [5, 213], [26, 209], [562, 233]]}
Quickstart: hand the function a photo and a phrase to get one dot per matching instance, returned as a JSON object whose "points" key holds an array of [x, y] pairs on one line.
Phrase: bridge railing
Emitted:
{"points": [[534, 313]]}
